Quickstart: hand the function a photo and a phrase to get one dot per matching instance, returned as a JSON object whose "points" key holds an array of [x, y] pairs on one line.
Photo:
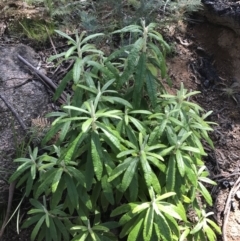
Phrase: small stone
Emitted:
{"points": [[225, 184], [237, 195], [233, 206]]}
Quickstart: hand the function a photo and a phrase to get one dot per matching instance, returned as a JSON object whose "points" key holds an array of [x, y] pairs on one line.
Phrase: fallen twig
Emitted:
{"points": [[14, 113], [9, 207], [228, 208], [43, 77]]}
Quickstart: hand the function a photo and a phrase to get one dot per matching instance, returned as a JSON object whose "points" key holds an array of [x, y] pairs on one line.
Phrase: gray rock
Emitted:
{"points": [[26, 95], [223, 12]]}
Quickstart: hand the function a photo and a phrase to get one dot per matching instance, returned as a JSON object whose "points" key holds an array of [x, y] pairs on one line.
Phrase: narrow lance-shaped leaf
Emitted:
{"points": [[148, 224], [151, 88], [56, 179], [131, 62], [162, 227], [146, 169], [96, 155], [37, 228], [129, 173], [77, 68], [72, 147], [180, 163], [139, 80], [120, 169], [72, 191], [107, 189], [171, 172]]}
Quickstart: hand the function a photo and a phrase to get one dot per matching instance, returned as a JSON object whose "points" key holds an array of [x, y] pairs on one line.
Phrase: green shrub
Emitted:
{"points": [[128, 160]]}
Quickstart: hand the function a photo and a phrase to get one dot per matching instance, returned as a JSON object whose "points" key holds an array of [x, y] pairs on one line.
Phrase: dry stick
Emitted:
{"points": [[47, 80], [14, 113], [51, 40], [12, 184], [228, 207]]}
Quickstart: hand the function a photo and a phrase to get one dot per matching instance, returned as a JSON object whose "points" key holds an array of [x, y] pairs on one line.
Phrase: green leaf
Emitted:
{"points": [[154, 161], [107, 189], [197, 228], [77, 69], [120, 210], [33, 171], [56, 179], [20, 170], [160, 59], [133, 188], [91, 37], [65, 130], [57, 195], [146, 169], [209, 233], [129, 221], [31, 220], [141, 207], [37, 228], [157, 132], [171, 172], [137, 124], [70, 51], [62, 228], [66, 36], [111, 135], [151, 88], [126, 153], [135, 232], [162, 227], [148, 224], [155, 183], [87, 124], [184, 234], [129, 28], [190, 148], [173, 224], [205, 193], [29, 185], [53, 230], [180, 163], [172, 137], [192, 177], [100, 67], [207, 180], [139, 80], [119, 100], [214, 225], [96, 151], [77, 174], [166, 151], [46, 183], [67, 156], [89, 173], [120, 168], [129, 173], [72, 191], [131, 62], [170, 209]]}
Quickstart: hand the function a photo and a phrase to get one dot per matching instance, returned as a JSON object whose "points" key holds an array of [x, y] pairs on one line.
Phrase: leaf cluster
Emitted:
{"points": [[129, 155]]}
